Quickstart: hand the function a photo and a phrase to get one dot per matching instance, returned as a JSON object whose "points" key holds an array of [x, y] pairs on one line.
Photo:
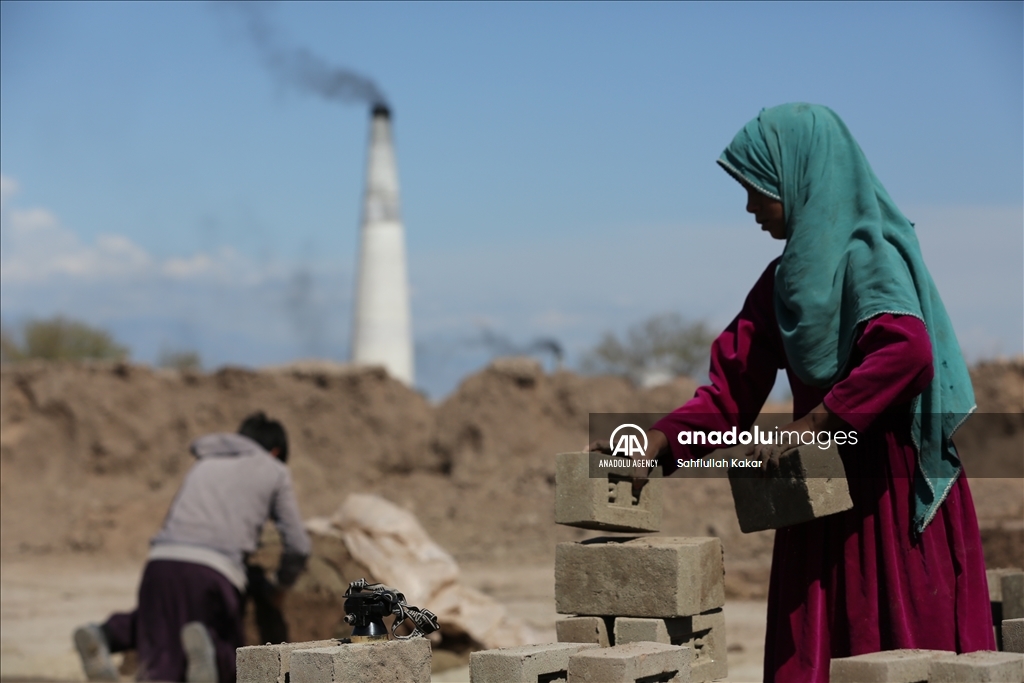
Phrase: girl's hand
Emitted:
{"points": [[818, 420], [657, 447], [770, 456]]}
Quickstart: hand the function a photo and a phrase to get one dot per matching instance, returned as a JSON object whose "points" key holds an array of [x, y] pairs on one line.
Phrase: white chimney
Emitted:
{"points": [[382, 332]]}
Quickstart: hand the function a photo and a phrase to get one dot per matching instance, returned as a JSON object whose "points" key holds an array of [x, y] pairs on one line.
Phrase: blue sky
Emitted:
{"points": [[556, 161]]}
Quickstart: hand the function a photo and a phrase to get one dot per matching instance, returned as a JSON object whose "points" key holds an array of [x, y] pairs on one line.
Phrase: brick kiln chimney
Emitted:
{"points": [[382, 331]]}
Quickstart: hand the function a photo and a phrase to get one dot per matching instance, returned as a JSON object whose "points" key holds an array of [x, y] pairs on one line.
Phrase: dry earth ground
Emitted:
{"points": [[91, 454], [44, 601]]}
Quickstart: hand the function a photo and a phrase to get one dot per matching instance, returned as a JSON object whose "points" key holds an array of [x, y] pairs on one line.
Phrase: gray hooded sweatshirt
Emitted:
{"points": [[219, 511]]}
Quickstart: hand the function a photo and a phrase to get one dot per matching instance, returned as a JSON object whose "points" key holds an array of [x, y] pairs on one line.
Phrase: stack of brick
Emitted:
{"points": [[270, 663], [621, 591], [634, 589], [330, 661], [580, 662], [643, 608], [928, 666]]}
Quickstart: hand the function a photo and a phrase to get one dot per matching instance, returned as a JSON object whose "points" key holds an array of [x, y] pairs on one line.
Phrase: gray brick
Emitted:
{"points": [[1013, 635], [604, 503], [524, 664], [640, 630], [1006, 589], [704, 633], [631, 662], [270, 663], [1013, 595], [978, 667], [584, 630], [890, 666], [388, 661], [811, 483], [656, 576]]}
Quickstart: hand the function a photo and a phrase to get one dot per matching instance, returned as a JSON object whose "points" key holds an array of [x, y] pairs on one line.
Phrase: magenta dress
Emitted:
{"points": [[859, 581]]}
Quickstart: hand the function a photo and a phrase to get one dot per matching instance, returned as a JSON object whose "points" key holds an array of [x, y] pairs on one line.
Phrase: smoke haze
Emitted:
{"points": [[297, 67], [500, 345], [306, 314]]}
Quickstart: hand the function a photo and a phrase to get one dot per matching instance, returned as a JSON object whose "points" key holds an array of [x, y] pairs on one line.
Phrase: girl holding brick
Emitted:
{"points": [[851, 313]]}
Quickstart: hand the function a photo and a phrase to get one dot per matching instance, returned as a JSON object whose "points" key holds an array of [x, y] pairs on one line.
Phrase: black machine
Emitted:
{"points": [[366, 605]]}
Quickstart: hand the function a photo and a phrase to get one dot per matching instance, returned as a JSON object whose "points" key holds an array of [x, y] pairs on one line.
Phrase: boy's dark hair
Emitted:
{"points": [[266, 432]]}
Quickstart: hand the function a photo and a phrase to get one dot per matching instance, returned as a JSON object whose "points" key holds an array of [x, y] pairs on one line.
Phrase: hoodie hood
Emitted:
{"points": [[224, 445]]}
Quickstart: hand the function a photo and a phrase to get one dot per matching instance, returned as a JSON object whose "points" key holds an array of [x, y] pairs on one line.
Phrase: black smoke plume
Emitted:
{"points": [[500, 345], [297, 67], [306, 313]]}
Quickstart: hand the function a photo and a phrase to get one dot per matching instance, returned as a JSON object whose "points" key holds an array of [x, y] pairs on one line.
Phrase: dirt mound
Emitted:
{"points": [[91, 454], [999, 385], [991, 443]]}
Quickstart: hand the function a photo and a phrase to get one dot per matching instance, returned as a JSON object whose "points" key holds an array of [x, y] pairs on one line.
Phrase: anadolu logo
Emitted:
{"points": [[628, 443]]}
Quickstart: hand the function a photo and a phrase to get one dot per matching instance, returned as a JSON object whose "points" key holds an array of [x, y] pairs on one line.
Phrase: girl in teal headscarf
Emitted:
{"points": [[851, 255], [851, 312]]}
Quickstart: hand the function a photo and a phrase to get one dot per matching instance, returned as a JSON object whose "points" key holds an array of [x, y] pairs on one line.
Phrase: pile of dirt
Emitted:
{"points": [[999, 385], [91, 454], [991, 443]]}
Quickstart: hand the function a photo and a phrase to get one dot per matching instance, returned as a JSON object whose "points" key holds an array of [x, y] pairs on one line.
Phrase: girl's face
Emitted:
{"points": [[768, 213]]}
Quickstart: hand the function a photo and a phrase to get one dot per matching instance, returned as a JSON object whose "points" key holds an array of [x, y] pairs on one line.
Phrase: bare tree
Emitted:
{"points": [[661, 347]]}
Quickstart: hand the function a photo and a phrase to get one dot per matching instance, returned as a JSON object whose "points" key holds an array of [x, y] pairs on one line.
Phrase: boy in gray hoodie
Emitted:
{"points": [[188, 622]]}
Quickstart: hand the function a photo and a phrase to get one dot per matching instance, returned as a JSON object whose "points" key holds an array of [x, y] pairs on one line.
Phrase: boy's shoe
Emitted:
{"points": [[199, 653], [91, 643]]}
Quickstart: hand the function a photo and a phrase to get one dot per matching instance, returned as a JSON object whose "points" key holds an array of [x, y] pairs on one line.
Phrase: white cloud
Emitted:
{"points": [[188, 267], [39, 249], [224, 305]]}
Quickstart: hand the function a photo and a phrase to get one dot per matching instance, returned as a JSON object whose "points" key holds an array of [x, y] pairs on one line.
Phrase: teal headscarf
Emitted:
{"points": [[851, 255]]}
